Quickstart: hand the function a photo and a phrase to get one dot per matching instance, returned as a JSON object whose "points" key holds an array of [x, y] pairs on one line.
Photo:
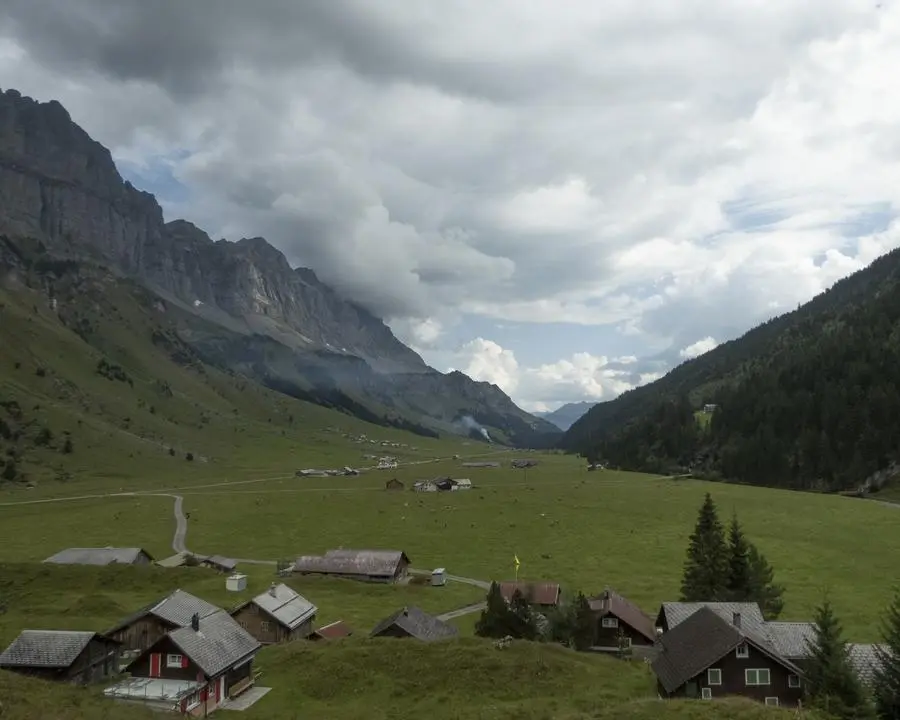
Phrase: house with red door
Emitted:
{"points": [[193, 669]]}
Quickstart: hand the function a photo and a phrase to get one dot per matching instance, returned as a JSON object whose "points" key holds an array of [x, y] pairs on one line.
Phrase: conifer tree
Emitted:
{"points": [[522, 621], [739, 578], [583, 625], [763, 588], [495, 618], [886, 686], [831, 682], [706, 568]]}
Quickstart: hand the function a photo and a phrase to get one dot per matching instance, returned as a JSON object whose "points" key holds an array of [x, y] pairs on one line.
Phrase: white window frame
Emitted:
{"points": [[710, 676], [757, 672], [173, 660], [772, 701], [626, 641], [794, 681], [265, 625], [193, 701], [609, 622], [706, 693], [742, 651]]}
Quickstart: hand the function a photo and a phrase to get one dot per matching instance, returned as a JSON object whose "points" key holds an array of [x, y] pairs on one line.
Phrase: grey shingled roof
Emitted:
{"points": [[96, 556], [352, 562], [219, 643], [609, 601], [176, 608], [219, 561], [286, 606], [45, 648], [791, 639], [864, 660], [418, 624], [701, 640], [751, 616]]}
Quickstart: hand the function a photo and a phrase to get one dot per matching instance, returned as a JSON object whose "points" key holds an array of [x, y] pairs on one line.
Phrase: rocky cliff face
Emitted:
{"points": [[62, 187], [240, 305]]}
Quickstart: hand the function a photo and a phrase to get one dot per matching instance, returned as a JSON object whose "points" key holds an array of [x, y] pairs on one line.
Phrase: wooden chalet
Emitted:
{"points": [[192, 669], [332, 631], [384, 566], [278, 615], [394, 484], [541, 595], [620, 624], [101, 556], [64, 655], [706, 656], [139, 631], [411, 622]]}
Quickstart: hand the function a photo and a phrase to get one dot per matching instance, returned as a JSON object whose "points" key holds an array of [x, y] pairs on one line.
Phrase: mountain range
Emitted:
{"points": [[566, 415], [809, 400], [234, 306]]}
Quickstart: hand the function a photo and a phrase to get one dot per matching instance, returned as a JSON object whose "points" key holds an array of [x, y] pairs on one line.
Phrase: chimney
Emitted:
{"points": [[736, 620], [272, 589], [195, 622]]}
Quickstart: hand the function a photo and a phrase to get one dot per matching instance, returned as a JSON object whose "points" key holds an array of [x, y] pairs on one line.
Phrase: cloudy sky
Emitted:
{"points": [[562, 198]]}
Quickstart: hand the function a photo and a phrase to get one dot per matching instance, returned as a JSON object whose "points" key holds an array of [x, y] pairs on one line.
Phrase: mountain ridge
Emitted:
{"points": [[566, 415], [62, 188]]}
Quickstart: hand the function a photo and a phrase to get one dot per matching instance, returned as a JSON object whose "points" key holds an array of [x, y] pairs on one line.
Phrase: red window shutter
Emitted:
{"points": [[184, 661]]}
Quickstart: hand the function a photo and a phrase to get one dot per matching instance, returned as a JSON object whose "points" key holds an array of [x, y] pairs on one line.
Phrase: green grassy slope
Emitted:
{"points": [[104, 371]]}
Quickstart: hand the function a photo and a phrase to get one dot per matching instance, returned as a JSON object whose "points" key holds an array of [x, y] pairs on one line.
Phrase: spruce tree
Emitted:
{"points": [[706, 567], [763, 588], [831, 682], [522, 621], [886, 686], [583, 625], [495, 618], [738, 585]]}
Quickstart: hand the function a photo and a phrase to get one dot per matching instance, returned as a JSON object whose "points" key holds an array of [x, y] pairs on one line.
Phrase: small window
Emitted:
{"points": [[610, 622], [756, 677], [793, 681], [173, 661], [706, 693], [265, 625], [625, 641], [742, 651], [714, 676], [772, 701]]}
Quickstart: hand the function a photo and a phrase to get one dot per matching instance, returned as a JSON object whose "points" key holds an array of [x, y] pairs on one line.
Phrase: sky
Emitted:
{"points": [[564, 199]]}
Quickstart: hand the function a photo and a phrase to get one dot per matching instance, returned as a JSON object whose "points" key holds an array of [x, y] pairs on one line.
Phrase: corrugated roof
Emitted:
{"points": [[96, 556], [180, 606], [609, 601], [352, 562], [286, 606], [333, 631], [537, 593], [751, 616], [176, 560], [218, 644], [220, 561], [701, 640], [417, 624], [864, 660], [45, 648], [791, 639]]}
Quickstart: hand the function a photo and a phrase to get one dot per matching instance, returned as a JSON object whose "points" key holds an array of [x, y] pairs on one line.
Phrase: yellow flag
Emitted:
{"points": [[516, 557]]}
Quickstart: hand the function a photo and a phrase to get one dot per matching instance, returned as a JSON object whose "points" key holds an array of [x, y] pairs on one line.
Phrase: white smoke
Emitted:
{"points": [[471, 424]]}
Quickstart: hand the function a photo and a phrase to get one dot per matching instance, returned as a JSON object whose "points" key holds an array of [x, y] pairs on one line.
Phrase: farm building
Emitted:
{"points": [[140, 630], [619, 622], [387, 566], [672, 614], [217, 562], [194, 668], [394, 484], [65, 655], [424, 486], [411, 622], [101, 556], [544, 595], [521, 464], [278, 615], [332, 631], [481, 465], [707, 656], [462, 484]]}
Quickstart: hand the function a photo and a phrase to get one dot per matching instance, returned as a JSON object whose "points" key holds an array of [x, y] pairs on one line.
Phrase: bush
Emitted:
{"points": [[189, 457]]}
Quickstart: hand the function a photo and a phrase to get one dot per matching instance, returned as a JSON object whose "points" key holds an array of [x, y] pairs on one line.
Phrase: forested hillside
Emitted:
{"points": [[808, 400]]}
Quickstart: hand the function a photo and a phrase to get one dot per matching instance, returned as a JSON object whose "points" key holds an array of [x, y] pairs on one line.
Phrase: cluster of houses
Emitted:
{"points": [[183, 653], [705, 650]]}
